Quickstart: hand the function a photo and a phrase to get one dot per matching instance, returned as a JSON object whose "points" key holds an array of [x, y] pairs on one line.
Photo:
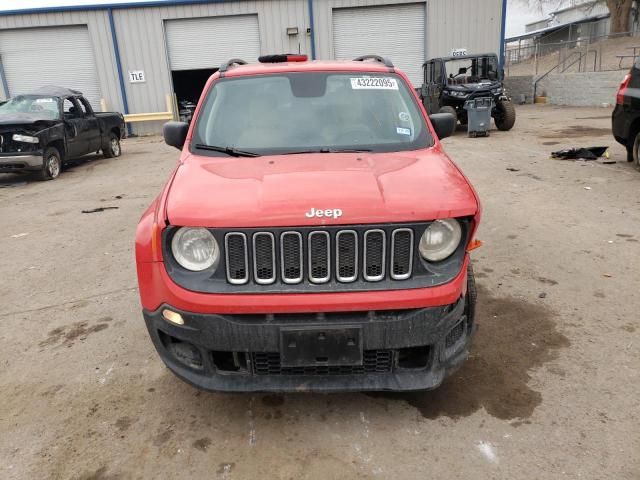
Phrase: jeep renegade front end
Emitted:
{"points": [[313, 237]]}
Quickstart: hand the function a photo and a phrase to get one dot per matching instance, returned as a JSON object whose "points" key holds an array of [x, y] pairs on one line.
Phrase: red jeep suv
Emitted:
{"points": [[313, 237]]}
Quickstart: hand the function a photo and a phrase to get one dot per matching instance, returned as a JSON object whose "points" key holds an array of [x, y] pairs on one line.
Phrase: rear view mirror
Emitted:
{"points": [[444, 124], [175, 133]]}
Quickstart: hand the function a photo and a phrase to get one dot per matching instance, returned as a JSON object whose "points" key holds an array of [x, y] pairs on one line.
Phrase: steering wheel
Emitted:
{"points": [[355, 135]]}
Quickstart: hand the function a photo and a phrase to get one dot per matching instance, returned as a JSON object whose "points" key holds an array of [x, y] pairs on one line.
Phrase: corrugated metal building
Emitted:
{"points": [[131, 56]]}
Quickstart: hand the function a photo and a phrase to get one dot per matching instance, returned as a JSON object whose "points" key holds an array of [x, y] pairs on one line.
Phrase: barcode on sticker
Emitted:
{"points": [[374, 83]]}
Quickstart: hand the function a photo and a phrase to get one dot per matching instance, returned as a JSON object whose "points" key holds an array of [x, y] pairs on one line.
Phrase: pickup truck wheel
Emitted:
{"points": [[113, 147], [636, 151], [51, 165], [505, 116]]}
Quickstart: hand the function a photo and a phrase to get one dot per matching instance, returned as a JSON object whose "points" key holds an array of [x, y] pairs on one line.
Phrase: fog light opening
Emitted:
{"points": [[186, 353], [172, 317]]}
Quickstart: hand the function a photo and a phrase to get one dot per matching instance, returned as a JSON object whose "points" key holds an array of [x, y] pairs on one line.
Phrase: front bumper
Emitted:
{"points": [[17, 162], [404, 350]]}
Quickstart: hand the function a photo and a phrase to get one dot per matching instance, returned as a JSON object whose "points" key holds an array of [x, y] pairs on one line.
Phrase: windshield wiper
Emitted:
{"points": [[330, 150], [234, 152]]}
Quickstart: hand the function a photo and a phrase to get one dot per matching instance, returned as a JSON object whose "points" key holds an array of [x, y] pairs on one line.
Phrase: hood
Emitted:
{"points": [[25, 119], [281, 190]]}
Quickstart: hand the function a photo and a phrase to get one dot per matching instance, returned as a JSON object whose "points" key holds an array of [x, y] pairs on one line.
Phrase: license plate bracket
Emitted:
{"points": [[313, 346]]}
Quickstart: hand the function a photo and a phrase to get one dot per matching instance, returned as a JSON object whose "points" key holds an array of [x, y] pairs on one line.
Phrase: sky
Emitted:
{"points": [[518, 11]]}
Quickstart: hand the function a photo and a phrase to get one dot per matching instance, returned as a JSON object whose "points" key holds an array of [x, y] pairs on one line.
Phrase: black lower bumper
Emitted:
{"points": [[401, 350]]}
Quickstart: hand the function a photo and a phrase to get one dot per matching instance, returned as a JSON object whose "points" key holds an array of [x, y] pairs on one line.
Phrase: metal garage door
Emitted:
{"points": [[393, 31], [197, 43], [62, 56]]}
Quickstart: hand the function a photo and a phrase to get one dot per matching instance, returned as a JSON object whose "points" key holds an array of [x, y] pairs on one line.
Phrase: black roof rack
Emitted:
{"points": [[377, 58], [225, 66]]}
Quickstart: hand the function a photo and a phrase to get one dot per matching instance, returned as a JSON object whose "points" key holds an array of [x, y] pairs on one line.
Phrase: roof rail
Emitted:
{"points": [[377, 58], [225, 66]]}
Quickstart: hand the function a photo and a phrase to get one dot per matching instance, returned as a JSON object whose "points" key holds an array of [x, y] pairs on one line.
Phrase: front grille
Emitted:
{"points": [[374, 361], [319, 256]]}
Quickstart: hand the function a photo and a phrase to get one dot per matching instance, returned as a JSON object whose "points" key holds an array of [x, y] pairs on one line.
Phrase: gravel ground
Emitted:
{"points": [[551, 389]]}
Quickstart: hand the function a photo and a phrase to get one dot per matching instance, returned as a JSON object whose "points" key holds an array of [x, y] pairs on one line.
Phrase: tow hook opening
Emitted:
{"points": [[230, 361], [414, 357]]}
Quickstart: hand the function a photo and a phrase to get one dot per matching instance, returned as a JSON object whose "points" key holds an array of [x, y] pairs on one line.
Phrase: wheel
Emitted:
{"points": [[636, 151], [451, 110], [112, 149], [505, 116], [51, 165], [472, 295]]}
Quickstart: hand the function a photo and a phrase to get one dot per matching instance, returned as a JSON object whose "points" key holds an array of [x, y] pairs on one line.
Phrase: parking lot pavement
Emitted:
{"points": [[551, 389]]}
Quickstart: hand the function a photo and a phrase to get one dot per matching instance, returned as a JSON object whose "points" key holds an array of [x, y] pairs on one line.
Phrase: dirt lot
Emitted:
{"points": [[551, 389]]}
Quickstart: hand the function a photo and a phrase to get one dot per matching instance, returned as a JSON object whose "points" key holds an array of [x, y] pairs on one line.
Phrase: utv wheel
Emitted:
{"points": [[636, 151], [51, 165], [112, 149], [505, 116], [451, 110]]}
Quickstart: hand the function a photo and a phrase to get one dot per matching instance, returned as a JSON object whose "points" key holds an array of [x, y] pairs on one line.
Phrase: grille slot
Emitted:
{"points": [[401, 253], [264, 258], [291, 257], [374, 361], [347, 256], [374, 255], [237, 259], [319, 245]]}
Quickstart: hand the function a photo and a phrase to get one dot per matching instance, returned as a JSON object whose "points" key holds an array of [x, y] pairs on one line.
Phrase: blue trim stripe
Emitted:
{"points": [[503, 31], [3, 79], [107, 6], [116, 49], [313, 30]]}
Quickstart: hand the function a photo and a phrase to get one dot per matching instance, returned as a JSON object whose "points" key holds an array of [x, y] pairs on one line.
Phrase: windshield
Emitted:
{"points": [[472, 70], [44, 108], [299, 112]]}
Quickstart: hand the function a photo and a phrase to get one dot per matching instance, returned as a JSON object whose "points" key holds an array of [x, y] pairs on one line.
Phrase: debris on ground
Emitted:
{"points": [[591, 153], [543, 295], [18, 235], [100, 209], [511, 169], [587, 188]]}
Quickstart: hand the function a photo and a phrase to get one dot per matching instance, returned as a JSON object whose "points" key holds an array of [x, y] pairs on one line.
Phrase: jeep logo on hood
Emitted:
{"points": [[329, 212]]}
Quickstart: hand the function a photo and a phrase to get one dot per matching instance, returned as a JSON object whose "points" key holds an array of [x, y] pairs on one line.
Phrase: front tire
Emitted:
{"points": [[51, 164], [451, 110], [113, 148], [472, 295], [505, 116]]}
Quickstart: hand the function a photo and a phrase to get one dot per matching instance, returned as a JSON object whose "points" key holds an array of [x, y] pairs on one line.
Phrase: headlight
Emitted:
{"points": [[195, 249], [25, 138], [440, 239]]}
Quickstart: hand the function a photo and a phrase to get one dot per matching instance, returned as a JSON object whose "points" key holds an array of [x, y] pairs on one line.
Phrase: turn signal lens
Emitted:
{"points": [[172, 317]]}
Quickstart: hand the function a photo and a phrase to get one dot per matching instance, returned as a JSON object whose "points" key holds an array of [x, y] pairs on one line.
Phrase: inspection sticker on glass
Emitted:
{"points": [[403, 131], [374, 83]]}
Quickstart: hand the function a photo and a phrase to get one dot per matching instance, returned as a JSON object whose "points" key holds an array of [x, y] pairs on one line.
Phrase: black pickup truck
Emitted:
{"points": [[40, 131]]}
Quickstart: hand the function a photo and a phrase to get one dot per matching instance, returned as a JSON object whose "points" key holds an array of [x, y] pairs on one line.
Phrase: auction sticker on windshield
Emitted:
{"points": [[377, 83]]}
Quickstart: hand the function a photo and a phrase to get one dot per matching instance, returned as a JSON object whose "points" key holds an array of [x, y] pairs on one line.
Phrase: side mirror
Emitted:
{"points": [[444, 124], [175, 133]]}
